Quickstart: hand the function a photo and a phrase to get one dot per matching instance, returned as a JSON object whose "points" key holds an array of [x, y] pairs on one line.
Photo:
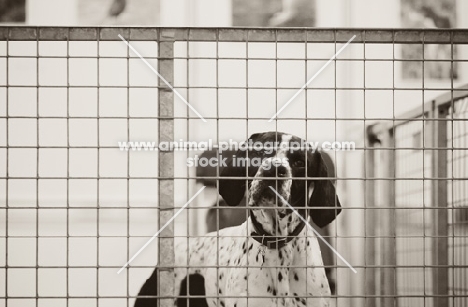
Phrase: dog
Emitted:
{"points": [[272, 259]]}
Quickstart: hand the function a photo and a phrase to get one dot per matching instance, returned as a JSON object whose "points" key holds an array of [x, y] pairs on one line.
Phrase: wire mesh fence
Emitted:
{"points": [[424, 253], [76, 206]]}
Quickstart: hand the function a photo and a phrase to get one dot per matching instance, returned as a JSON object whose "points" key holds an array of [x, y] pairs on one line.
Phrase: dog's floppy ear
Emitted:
{"points": [[324, 194], [233, 190]]}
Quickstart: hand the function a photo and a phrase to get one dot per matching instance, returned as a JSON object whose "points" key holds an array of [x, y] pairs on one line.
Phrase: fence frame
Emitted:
{"points": [[166, 38], [381, 135]]}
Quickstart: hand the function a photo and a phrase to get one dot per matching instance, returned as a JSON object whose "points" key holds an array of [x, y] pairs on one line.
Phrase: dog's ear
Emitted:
{"points": [[233, 190], [324, 194]]}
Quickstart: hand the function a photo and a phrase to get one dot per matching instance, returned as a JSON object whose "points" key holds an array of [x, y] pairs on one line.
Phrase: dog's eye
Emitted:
{"points": [[256, 153], [299, 163], [253, 153]]}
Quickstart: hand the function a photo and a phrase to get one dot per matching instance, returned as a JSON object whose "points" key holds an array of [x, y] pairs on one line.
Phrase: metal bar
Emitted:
{"points": [[450, 138], [245, 265], [439, 188], [37, 173], [370, 246], [166, 168], [98, 211], [188, 137], [252, 87], [68, 174], [128, 169], [444, 100], [314, 35], [341, 296], [387, 247], [397, 121], [318, 59], [369, 281], [7, 172], [237, 178], [423, 161], [218, 174]]}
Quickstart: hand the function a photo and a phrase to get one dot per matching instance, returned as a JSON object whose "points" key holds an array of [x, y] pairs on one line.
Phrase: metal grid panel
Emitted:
{"points": [[70, 153], [426, 189], [412, 223], [74, 201], [457, 218]]}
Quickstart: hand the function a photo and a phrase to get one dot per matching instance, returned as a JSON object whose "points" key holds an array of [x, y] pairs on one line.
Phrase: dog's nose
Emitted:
{"points": [[275, 167]]}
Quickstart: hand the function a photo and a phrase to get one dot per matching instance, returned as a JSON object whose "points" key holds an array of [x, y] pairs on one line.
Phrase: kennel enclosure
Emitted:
{"points": [[68, 95]]}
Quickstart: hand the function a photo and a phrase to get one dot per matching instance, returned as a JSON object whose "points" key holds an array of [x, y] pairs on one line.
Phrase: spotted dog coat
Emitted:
{"points": [[272, 259]]}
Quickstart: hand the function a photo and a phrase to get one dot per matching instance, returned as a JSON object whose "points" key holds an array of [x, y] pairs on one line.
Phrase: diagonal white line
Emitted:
{"points": [[315, 231], [311, 79], [162, 228], [162, 78]]}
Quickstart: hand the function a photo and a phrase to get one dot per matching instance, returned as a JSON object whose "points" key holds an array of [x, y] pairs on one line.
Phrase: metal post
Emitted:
{"points": [[166, 168], [370, 186], [388, 246], [439, 200]]}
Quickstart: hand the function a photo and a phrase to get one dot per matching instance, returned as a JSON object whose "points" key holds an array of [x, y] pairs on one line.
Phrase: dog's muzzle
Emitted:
{"points": [[275, 167], [274, 172]]}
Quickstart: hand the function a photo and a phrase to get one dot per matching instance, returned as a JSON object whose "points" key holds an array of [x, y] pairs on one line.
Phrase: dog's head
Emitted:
{"points": [[281, 161]]}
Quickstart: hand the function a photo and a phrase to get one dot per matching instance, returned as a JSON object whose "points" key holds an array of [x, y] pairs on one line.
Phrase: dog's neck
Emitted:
{"points": [[274, 224], [279, 221], [274, 216], [272, 241]]}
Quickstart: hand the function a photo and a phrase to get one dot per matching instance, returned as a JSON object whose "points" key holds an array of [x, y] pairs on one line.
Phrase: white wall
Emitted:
{"points": [[51, 12], [202, 13]]}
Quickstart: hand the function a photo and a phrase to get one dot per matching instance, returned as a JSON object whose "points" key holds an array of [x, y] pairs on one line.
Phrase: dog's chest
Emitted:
{"points": [[242, 272]]}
